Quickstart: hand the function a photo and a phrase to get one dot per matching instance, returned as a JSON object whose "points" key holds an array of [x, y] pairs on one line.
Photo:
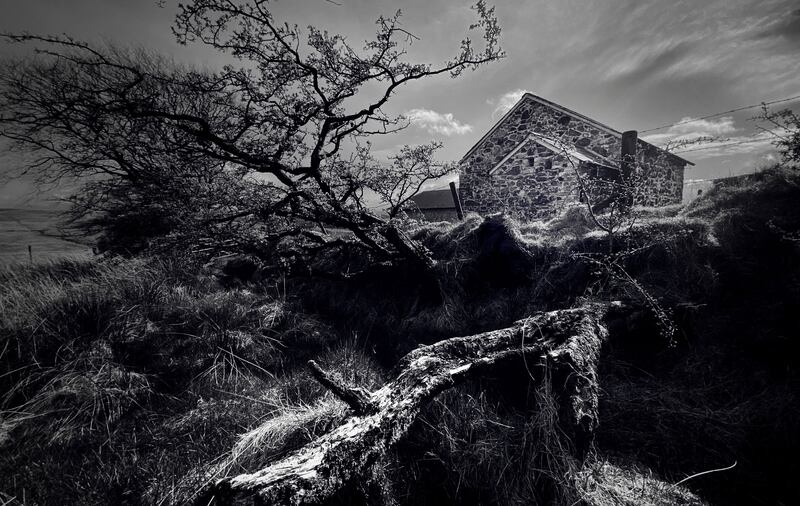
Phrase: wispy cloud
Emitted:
{"points": [[436, 122], [785, 28], [711, 138], [649, 61], [724, 51], [689, 129], [506, 101], [760, 143]]}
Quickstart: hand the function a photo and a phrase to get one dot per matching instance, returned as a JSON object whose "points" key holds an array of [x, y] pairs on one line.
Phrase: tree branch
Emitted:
{"points": [[355, 397]]}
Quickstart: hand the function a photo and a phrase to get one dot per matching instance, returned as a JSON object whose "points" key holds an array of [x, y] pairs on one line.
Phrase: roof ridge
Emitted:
{"points": [[566, 110], [569, 111]]}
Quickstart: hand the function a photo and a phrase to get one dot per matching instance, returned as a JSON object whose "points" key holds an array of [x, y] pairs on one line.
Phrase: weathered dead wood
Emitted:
{"points": [[349, 454], [355, 397]]}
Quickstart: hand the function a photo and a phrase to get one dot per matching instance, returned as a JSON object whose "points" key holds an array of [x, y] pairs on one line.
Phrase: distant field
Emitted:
{"points": [[20, 228]]}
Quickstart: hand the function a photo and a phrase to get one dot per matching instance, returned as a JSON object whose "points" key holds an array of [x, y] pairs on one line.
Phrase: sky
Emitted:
{"points": [[631, 64]]}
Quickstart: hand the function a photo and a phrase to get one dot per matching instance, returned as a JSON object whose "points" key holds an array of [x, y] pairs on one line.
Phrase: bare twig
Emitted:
{"points": [[357, 398], [705, 472]]}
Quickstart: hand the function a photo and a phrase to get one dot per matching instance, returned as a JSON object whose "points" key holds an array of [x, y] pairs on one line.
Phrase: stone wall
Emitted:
{"points": [[535, 182], [538, 183], [662, 177]]}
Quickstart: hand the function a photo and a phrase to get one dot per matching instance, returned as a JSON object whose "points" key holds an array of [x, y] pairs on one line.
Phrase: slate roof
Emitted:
{"points": [[434, 199]]}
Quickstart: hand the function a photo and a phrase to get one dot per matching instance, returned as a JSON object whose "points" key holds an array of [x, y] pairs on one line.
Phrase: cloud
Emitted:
{"points": [[639, 63], [710, 138], [435, 122], [690, 129], [721, 126], [506, 101], [760, 143], [686, 54], [743, 145], [785, 28]]}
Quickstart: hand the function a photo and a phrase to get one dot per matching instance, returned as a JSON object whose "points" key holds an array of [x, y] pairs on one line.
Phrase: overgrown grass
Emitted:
{"points": [[129, 374], [481, 444], [727, 393], [141, 380], [725, 270]]}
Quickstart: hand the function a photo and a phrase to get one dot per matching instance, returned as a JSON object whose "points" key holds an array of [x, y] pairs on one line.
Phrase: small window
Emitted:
{"points": [[548, 164]]}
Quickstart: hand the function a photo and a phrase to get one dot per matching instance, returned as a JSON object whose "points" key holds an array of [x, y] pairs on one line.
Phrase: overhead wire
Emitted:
{"points": [[712, 146], [744, 108]]}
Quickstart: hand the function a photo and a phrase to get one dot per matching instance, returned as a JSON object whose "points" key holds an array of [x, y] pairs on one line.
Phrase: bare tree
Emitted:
{"points": [[409, 170], [292, 110], [784, 126]]}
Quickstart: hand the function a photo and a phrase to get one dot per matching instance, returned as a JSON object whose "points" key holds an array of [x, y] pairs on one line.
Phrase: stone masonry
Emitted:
{"points": [[540, 180]]}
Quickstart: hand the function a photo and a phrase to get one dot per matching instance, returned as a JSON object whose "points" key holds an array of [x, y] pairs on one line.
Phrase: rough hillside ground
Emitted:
{"points": [[137, 381], [128, 381]]}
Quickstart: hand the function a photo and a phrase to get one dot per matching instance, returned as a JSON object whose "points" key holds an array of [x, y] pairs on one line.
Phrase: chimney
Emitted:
{"points": [[456, 201], [627, 163]]}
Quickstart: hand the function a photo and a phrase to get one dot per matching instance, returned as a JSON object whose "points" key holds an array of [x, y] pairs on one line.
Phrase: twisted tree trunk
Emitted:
{"points": [[352, 454]]}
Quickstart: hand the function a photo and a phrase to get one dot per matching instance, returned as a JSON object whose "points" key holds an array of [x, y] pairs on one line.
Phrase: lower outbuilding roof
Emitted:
{"points": [[434, 199]]}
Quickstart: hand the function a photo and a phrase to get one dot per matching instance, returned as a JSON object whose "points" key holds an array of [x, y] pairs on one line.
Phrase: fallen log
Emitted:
{"points": [[353, 453]]}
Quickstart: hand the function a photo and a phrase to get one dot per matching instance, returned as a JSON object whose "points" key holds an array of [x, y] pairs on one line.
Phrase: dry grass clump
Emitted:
{"points": [[602, 483], [484, 444], [75, 399], [289, 429], [671, 259], [295, 421], [449, 240], [296, 409], [575, 221], [649, 213]]}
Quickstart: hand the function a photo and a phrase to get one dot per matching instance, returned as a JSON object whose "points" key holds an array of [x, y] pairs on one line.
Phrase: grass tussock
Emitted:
{"points": [[602, 483], [482, 444]]}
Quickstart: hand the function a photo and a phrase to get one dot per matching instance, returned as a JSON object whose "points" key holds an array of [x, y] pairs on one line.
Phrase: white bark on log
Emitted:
{"points": [[347, 455]]}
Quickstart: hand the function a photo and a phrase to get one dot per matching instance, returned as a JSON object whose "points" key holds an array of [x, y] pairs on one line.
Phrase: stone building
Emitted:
{"points": [[694, 188], [528, 165], [434, 205]]}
